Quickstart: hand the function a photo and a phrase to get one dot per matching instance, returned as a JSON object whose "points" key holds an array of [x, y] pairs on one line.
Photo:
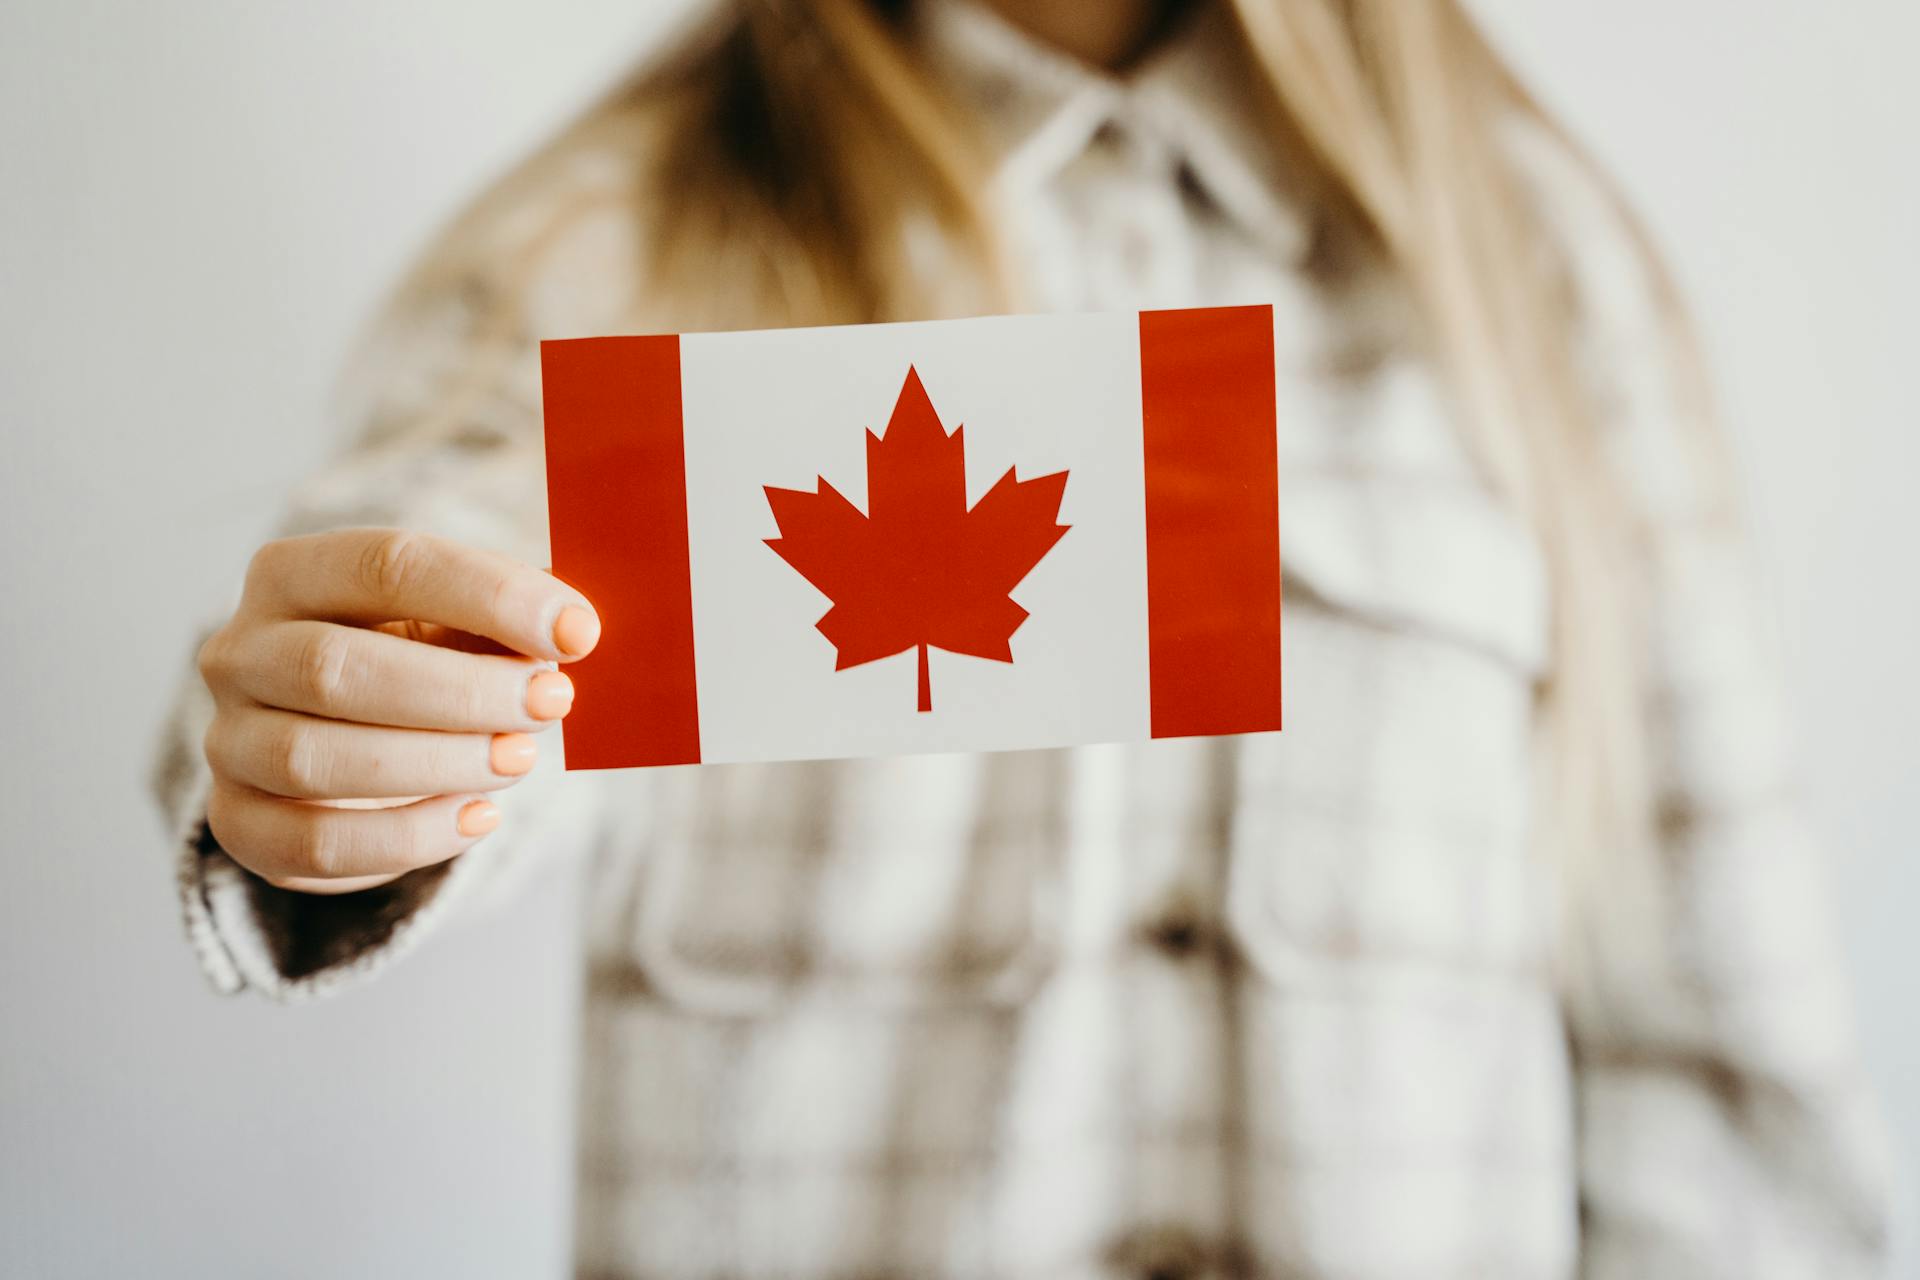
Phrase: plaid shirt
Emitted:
{"points": [[1281, 1005]]}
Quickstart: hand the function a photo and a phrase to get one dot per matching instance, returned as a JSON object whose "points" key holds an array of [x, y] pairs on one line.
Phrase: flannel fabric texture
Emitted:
{"points": [[1284, 1005]]}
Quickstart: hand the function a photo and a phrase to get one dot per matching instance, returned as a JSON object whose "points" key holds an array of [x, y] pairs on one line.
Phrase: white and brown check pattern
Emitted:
{"points": [[1275, 1006]]}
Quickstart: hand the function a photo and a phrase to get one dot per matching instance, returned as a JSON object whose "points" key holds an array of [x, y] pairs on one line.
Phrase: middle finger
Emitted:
{"points": [[372, 677]]}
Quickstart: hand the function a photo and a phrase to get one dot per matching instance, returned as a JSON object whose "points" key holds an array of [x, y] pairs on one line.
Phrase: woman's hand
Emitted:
{"points": [[364, 670]]}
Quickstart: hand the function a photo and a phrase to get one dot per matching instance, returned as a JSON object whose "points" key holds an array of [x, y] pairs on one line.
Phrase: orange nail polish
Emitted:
{"points": [[479, 817], [549, 696], [576, 631], [512, 754]]}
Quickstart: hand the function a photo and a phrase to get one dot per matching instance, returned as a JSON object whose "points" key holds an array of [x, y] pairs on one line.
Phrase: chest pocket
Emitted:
{"points": [[1389, 825], [911, 882]]}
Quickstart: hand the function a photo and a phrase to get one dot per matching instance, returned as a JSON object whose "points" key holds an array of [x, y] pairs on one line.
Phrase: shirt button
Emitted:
{"points": [[1181, 932], [1192, 191]]}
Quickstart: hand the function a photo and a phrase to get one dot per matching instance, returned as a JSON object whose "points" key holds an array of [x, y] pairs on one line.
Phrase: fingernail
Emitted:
{"points": [[576, 631], [479, 817], [549, 696], [512, 754]]}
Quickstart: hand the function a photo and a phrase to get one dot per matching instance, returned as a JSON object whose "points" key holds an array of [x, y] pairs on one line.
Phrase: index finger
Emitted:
{"points": [[370, 576]]}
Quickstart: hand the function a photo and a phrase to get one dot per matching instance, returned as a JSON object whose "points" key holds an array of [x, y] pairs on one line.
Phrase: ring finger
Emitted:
{"points": [[303, 757]]}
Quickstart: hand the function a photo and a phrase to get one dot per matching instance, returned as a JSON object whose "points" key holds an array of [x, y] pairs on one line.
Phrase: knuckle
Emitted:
{"points": [[318, 848], [405, 848], [220, 820], [321, 666], [503, 596], [473, 703], [296, 761], [215, 745], [215, 661], [419, 840], [391, 563], [267, 564]]}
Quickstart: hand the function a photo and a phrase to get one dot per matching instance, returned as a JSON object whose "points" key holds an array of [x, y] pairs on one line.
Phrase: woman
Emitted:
{"points": [[1503, 959]]}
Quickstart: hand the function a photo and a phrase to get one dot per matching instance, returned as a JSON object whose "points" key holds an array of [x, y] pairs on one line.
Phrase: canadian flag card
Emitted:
{"points": [[960, 535]]}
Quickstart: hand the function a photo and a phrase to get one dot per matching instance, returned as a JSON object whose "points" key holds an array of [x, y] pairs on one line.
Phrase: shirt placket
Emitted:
{"points": [[1134, 239]]}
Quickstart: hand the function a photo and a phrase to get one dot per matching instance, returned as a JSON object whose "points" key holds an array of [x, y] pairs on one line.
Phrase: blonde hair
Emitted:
{"points": [[796, 139]]}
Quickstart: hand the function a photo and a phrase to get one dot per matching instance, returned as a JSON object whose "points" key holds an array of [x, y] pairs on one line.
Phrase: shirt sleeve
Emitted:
{"points": [[1726, 1126], [447, 440]]}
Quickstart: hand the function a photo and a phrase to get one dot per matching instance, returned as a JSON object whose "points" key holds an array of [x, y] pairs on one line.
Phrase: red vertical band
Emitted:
{"points": [[1213, 520], [617, 514]]}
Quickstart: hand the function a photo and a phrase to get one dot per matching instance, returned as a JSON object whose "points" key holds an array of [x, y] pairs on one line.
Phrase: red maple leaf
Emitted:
{"points": [[918, 569]]}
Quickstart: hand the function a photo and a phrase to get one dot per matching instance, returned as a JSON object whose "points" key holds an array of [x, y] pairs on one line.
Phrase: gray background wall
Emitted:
{"points": [[199, 201]]}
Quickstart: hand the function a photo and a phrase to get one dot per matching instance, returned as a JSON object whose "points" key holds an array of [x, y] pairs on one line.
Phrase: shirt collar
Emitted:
{"points": [[1194, 97]]}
